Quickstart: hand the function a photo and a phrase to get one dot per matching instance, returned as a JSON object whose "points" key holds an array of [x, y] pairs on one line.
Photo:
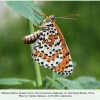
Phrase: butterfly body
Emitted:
{"points": [[50, 49]]}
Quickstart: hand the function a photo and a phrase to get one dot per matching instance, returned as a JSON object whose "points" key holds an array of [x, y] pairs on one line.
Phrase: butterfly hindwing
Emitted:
{"points": [[47, 51]]}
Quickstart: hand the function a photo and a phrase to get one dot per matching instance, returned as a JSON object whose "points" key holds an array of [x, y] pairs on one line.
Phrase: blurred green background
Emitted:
{"points": [[82, 37]]}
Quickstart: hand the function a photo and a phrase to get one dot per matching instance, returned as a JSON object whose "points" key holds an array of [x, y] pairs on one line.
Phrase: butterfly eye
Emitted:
{"points": [[52, 17]]}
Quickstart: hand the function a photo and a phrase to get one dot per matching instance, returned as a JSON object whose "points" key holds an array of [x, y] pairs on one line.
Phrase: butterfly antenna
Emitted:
{"points": [[67, 17]]}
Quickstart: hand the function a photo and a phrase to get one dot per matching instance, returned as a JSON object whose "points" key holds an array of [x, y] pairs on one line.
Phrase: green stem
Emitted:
{"points": [[36, 66]]}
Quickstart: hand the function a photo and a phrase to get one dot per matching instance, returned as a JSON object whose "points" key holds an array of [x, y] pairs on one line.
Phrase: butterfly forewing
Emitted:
{"points": [[65, 66]]}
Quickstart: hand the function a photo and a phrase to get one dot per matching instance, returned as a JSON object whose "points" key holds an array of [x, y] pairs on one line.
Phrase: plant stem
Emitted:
{"points": [[36, 66]]}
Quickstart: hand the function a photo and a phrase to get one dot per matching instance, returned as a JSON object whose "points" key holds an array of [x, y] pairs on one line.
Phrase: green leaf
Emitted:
{"points": [[70, 84], [15, 81], [46, 84], [88, 82], [25, 8], [54, 83]]}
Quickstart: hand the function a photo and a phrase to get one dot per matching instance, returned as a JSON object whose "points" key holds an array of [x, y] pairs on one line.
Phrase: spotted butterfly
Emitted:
{"points": [[50, 49]]}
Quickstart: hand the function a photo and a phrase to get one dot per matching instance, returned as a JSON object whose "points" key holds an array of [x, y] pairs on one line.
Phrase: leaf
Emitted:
{"points": [[46, 84], [70, 84], [55, 83], [88, 82], [25, 8], [15, 81]]}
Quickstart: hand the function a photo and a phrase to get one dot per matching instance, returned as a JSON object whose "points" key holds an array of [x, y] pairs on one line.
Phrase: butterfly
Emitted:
{"points": [[50, 49]]}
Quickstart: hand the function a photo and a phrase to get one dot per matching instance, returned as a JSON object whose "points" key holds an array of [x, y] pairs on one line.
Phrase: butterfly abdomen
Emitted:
{"points": [[31, 38]]}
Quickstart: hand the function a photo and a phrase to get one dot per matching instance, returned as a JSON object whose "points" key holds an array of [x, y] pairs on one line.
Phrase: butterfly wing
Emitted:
{"points": [[51, 51], [65, 66]]}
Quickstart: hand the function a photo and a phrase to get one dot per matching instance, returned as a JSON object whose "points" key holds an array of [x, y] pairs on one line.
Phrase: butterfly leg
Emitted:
{"points": [[40, 26], [41, 14]]}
